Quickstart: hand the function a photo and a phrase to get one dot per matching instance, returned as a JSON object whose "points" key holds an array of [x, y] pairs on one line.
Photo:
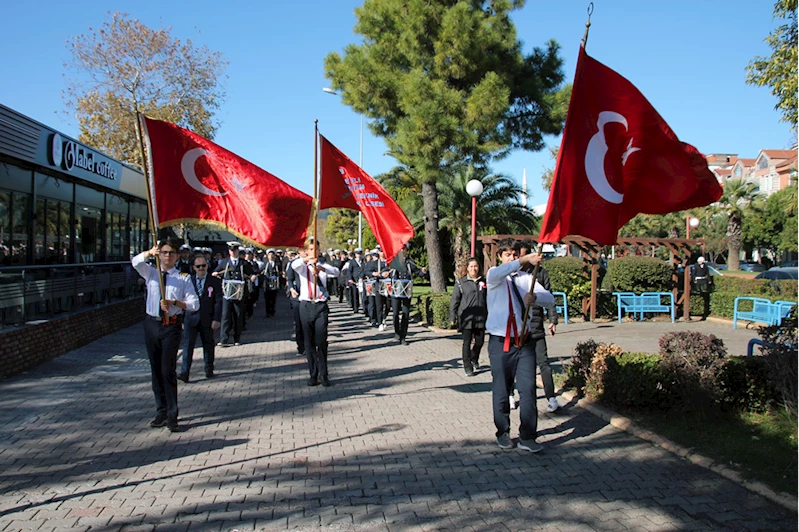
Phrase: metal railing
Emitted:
{"points": [[30, 293]]}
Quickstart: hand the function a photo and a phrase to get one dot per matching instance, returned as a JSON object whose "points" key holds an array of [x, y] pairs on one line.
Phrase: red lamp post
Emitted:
{"points": [[474, 188]]}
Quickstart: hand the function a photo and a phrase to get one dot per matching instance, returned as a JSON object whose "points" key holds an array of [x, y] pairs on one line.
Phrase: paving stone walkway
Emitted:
{"points": [[403, 440]]}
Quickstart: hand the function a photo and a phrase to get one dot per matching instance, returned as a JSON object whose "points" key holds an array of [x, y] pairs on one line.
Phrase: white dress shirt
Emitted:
{"points": [[178, 287], [305, 272], [498, 282]]}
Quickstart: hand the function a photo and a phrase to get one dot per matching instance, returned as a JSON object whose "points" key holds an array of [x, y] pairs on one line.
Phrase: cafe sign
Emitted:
{"points": [[69, 155]]}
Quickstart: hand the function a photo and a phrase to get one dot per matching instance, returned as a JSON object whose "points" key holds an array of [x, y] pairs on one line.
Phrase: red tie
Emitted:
{"points": [[511, 325]]}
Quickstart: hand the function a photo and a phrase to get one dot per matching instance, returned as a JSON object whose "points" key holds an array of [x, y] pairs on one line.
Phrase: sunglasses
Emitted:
{"points": [[200, 265]]}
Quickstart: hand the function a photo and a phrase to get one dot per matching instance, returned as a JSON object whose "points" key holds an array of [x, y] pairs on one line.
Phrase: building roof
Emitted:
{"points": [[784, 165], [747, 162], [779, 154]]}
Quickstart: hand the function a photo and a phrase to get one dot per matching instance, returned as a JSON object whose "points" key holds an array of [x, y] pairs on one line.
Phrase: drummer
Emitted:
{"points": [[402, 271], [233, 271], [272, 274], [353, 278], [373, 272]]}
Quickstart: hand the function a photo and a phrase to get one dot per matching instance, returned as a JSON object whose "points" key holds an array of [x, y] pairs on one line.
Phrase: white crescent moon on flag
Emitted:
{"points": [[595, 158], [187, 168]]}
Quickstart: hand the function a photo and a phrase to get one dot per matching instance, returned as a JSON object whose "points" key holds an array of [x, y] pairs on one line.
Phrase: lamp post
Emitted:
{"points": [[474, 188], [360, 163], [691, 222]]}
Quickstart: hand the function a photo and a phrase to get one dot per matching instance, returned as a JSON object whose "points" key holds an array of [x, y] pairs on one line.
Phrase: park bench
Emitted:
{"points": [[763, 311], [563, 309], [636, 304]]}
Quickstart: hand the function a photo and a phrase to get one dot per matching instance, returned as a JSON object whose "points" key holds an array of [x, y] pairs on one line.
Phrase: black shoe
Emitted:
{"points": [[396, 336], [172, 425], [404, 341], [183, 377], [158, 421], [312, 382], [209, 374], [325, 382], [469, 373]]}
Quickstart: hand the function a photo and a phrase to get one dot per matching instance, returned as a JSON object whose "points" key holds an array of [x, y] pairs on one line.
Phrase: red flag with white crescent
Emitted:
{"points": [[619, 158], [195, 180]]}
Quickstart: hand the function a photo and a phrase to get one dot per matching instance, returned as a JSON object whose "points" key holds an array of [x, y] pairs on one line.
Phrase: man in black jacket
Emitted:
{"points": [[373, 272], [272, 275], [234, 269], [293, 292], [204, 321], [702, 282], [353, 276], [468, 308], [402, 271]]}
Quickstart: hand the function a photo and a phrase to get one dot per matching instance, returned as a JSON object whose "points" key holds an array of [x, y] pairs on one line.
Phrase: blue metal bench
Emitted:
{"points": [[763, 311], [563, 309], [646, 302]]}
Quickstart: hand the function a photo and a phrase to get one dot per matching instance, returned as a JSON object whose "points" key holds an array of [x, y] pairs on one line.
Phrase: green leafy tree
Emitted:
{"points": [[447, 83], [342, 225], [124, 67], [779, 70], [736, 196]]}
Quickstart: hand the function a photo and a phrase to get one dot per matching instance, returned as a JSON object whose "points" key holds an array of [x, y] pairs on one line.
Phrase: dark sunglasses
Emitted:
{"points": [[200, 265]]}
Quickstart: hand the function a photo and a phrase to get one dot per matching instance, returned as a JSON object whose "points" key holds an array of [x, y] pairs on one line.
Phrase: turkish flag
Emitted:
{"points": [[344, 184], [195, 180], [619, 158]]}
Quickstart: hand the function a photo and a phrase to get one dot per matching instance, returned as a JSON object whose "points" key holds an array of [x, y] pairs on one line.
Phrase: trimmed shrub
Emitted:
{"points": [[780, 354], [434, 308], [596, 379], [691, 363], [639, 274], [635, 380], [566, 273], [744, 385], [580, 364]]}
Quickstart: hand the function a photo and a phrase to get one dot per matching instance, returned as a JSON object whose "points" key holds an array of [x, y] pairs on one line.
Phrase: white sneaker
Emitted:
{"points": [[552, 405], [381, 328], [513, 404]]}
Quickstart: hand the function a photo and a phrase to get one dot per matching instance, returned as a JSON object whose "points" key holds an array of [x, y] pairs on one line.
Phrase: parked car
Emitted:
{"points": [[790, 264], [752, 267], [779, 274], [717, 267]]}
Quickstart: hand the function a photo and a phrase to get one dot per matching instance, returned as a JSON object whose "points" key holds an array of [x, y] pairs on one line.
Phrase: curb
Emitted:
{"points": [[627, 425]]}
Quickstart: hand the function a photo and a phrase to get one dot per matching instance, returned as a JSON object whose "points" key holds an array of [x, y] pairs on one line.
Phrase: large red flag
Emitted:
{"points": [[344, 184], [195, 180], [619, 158]]}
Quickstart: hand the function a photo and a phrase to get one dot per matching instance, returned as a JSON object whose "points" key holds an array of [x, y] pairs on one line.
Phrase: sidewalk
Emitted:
{"points": [[403, 440]]}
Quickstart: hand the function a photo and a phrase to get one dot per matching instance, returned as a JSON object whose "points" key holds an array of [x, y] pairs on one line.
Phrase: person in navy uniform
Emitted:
{"points": [[237, 269], [353, 276], [312, 277], [204, 321], [374, 270], [703, 284], [272, 275], [403, 268], [162, 327], [293, 293], [184, 262]]}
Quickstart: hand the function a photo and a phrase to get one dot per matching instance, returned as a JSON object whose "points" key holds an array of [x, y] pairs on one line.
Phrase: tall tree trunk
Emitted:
{"points": [[434, 257], [459, 251], [734, 233]]}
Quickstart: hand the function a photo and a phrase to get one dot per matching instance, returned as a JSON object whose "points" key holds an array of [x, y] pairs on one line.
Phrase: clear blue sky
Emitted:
{"points": [[687, 57]]}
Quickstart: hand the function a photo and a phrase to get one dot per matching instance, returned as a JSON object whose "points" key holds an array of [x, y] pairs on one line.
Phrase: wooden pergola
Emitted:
{"points": [[680, 248]]}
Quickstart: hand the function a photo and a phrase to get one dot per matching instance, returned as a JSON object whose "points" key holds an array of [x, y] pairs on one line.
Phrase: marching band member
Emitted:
{"points": [[234, 270], [272, 275], [353, 279], [162, 328], [403, 269]]}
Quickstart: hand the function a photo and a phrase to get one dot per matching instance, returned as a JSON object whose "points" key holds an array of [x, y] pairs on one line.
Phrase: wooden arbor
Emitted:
{"points": [[680, 248]]}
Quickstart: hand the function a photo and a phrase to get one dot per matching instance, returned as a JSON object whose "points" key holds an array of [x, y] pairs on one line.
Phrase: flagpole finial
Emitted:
{"points": [[588, 23]]}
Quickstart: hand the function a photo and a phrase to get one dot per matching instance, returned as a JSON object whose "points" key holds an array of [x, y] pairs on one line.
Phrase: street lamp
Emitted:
{"points": [[360, 163], [691, 222], [474, 188]]}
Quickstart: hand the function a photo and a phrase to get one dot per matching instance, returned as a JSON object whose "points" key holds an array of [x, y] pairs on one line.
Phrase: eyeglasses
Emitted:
{"points": [[166, 253], [200, 265]]}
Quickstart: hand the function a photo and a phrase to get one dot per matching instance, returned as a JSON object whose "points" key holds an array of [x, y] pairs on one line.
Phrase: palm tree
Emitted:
{"points": [[736, 196]]}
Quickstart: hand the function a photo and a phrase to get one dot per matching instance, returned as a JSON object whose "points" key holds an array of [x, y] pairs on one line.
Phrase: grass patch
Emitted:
{"points": [[762, 446]]}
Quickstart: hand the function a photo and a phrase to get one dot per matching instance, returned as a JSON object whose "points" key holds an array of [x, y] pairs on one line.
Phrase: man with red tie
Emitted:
{"points": [[511, 348], [312, 275]]}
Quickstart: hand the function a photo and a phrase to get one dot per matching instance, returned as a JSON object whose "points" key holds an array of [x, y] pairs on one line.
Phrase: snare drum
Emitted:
{"points": [[402, 288], [369, 287], [272, 283], [233, 289], [385, 287]]}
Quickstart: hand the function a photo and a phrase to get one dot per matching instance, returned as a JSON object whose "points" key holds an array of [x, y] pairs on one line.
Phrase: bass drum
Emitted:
{"points": [[232, 289], [402, 288]]}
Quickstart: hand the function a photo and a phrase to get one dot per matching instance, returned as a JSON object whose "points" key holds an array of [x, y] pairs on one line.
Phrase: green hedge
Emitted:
{"points": [[744, 384], [636, 380], [434, 308], [566, 275], [638, 274]]}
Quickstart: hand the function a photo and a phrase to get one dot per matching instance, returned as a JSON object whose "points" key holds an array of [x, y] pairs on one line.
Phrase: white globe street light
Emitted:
{"points": [[474, 188], [691, 222]]}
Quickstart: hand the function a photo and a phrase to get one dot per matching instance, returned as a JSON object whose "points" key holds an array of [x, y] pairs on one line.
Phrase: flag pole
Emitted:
{"points": [[146, 166], [315, 195], [588, 24]]}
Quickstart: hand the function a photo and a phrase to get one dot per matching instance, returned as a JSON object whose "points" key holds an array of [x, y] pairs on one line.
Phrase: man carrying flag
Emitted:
{"points": [[619, 158]]}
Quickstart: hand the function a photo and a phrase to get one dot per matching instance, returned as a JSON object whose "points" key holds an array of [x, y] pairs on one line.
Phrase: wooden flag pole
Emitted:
{"points": [[315, 197], [146, 166], [588, 24]]}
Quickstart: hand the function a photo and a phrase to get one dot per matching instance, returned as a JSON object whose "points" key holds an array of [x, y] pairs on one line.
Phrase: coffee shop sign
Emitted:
{"points": [[69, 154]]}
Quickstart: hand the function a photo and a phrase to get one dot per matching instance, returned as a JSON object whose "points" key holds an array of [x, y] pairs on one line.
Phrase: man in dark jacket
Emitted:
{"points": [[272, 275], [402, 271], [702, 282], [293, 292], [234, 269], [203, 321], [353, 276], [469, 310]]}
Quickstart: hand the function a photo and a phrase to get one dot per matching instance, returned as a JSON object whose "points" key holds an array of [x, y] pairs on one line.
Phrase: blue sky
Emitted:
{"points": [[687, 57]]}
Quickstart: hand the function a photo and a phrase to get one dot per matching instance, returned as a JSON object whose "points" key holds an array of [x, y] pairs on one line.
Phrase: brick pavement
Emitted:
{"points": [[401, 441]]}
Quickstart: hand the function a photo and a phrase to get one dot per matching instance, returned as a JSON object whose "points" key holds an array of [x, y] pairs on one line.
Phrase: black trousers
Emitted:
{"points": [[517, 364], [299, 335], [314, 317], [354, 297], [401, 309], [378, 308], [206, 334], [471, 354], [232, 320], [162, 343], [270, 298]]}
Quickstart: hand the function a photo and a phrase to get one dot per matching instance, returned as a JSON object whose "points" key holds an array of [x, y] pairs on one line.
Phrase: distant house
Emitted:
{"points": [[773, 169], [743, 169]]}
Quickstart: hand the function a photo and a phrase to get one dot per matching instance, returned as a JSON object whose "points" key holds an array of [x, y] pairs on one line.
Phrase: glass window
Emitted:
{"points": [[39, 243], [139, 234], [65, 233], [52, 232], [762, 163], [88, 231], [116, 227], [5, 228], [15, 178], [53, 188], [20, 224]]}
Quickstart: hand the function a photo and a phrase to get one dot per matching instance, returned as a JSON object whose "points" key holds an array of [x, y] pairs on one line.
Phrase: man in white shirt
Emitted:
{"points": [[510, 348], [312, 277], [162, 327]]}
